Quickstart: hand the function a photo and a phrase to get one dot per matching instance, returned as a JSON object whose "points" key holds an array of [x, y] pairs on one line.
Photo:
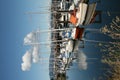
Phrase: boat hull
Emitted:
{"points": [[80, 14], [77, 33], [90, 13]]}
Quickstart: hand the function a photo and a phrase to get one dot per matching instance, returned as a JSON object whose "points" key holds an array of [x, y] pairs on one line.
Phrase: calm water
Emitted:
{"points": [[95, 69]]}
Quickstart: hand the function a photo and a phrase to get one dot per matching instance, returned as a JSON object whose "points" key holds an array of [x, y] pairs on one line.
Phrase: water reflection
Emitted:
{"points": [[88, 62]]}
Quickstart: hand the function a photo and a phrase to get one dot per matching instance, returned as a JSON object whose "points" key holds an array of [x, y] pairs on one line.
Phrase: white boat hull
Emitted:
{"points": [[80, 14], [72, 45], [90, 13]]}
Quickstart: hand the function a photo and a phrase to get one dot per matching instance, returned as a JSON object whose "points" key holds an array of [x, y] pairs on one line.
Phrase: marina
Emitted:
{"points": [[68, 35], [60, 40], [75, 41]]}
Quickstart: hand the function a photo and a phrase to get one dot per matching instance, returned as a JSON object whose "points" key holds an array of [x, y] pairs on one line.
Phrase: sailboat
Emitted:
{"points": [[77, 33], [84, 15], [78, 15], [90, 13]]}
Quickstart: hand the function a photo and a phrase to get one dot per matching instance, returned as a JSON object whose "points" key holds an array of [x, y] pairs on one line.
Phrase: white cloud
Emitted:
{"points": [[26, 61], [35, 54], [82, 61], [29, 38]]}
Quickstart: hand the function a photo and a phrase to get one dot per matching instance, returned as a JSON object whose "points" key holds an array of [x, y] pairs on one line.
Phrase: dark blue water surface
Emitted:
{"points": [[96, 69]]}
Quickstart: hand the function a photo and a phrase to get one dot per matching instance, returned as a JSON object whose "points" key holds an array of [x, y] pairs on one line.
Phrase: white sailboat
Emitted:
{"points": [[80, 14], [77, 17], [90, 13]]}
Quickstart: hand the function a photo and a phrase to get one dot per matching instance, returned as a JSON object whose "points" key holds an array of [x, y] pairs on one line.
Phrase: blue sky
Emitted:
{"points": [[15, 25]]}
